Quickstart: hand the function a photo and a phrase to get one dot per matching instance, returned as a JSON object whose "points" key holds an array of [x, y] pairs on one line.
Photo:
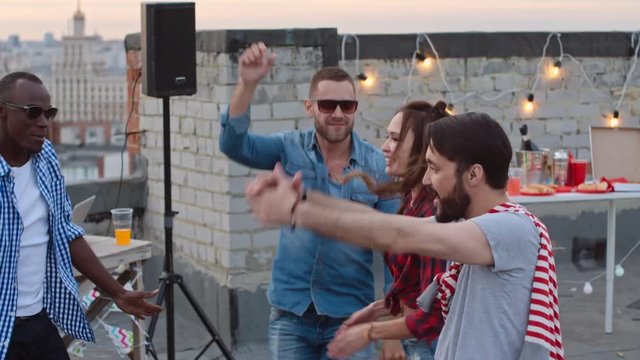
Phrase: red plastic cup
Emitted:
{"points": [[513, 186], [578, 171]]}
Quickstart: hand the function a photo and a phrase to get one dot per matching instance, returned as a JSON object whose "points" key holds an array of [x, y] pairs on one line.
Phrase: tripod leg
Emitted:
{"points": [[154, 321], [205, 321]]}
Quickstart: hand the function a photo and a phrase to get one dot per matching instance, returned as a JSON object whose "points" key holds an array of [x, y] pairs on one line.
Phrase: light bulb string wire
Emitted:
{"points": [[635, 45], [344, 47], [624, 258]]}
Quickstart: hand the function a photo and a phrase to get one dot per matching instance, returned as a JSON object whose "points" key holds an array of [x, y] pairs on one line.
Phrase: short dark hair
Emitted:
{"points": [[473, 138], [8, 82], [332, 73]]}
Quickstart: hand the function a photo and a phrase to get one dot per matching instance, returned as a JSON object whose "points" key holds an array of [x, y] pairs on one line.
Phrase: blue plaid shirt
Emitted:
{"points": [[61, 298]]}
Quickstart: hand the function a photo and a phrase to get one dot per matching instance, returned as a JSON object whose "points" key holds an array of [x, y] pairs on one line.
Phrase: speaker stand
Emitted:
{"points": [[169, 278]]}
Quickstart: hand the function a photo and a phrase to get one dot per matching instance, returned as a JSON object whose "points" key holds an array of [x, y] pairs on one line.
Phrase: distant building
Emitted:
{"points": [[14, 40], [88, 84], [49, 40], [86, 77]]}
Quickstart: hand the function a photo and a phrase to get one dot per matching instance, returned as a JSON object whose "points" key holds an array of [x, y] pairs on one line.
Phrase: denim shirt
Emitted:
{"points": [[60, 298], [308, 268]]}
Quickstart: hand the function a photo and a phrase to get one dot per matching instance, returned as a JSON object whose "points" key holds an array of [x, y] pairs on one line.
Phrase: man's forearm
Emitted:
{"points": [[463, 242], [86, 261], [241, 99], [373, 230]]}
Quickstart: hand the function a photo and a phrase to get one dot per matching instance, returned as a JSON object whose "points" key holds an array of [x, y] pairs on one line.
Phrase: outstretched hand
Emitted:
{"points": [[271, 196], [255, 63], [134, 303]]}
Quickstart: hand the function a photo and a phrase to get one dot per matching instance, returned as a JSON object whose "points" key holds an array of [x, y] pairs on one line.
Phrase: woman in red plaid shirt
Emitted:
{"points": [[404, 152]]}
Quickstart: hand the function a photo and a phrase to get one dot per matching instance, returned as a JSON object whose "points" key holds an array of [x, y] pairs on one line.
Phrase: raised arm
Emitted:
{"points": [[257, 151], [254, 64]]}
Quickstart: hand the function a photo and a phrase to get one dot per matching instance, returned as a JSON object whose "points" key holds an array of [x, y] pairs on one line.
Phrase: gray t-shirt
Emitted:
{"points": [[490, 307]]}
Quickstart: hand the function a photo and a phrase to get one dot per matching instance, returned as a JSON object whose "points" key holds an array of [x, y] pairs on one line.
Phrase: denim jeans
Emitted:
{"points": [[417, 349], [293, 337]]}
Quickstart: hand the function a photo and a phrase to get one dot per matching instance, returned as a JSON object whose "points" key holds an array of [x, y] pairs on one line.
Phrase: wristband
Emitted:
{"points": [[303, 197], [367, 333]]}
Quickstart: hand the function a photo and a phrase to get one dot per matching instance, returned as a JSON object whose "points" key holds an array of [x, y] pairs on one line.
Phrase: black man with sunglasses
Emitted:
{"points": [[38, 242], [317, 282]]}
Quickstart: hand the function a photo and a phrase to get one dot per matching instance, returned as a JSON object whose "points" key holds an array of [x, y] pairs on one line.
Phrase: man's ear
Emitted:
{"points": [[308, 107], [475, 174]]}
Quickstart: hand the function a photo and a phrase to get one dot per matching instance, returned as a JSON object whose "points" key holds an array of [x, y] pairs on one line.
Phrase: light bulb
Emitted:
{"points": [[614, 120], [369, 81], [554, 70], [587, 289], [426, 63], [619, 271], [449, 109], [529, 105]]}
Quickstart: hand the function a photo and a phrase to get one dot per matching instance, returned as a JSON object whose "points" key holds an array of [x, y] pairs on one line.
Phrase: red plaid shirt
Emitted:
{"points": [[413, 273]]}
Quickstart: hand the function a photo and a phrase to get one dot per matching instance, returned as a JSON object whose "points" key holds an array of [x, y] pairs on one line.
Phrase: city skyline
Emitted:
{"points": [[116, 18]]}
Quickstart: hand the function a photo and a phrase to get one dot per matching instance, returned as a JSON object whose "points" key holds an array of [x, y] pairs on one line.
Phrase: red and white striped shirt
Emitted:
{"points": [[543, 325]]}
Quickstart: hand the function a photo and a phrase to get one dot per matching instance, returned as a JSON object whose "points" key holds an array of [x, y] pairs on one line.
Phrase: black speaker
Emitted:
{"points": [[168, 49]]}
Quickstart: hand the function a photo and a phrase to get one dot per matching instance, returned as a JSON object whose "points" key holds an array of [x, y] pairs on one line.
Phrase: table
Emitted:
{"points": [[112, 256], [612, 199]]}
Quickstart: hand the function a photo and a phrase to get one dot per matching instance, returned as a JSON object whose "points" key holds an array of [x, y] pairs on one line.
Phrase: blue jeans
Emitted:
{"points": [[293, 337], [416, 349]]}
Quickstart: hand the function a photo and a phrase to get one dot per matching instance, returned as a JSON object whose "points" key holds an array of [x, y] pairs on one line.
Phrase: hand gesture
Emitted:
{"points": [[255, 63], [364, 315], [133, 303], [271, 196], [349, 341], [392, 350]]}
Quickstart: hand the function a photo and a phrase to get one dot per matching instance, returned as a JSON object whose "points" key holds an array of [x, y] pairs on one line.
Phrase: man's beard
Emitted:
{"points": [[454, 206], [322, 129]]}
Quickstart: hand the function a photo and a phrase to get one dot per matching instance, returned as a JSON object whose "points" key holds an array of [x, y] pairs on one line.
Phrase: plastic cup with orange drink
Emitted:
{"points": [[122, 219]]}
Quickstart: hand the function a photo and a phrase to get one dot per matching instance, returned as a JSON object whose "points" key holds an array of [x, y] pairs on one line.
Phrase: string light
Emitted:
{"points": [[554, 70], [618, 271], [424, 61], [449, 109], [614, 121], [365, 80], [529, 105]]}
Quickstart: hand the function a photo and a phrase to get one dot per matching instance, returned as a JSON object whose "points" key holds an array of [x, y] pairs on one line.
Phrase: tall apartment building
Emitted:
{"points": [[88, 84]]}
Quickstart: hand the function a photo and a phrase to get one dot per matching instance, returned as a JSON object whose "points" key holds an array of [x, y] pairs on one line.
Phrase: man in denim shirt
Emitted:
{"points": [[316, 281]]}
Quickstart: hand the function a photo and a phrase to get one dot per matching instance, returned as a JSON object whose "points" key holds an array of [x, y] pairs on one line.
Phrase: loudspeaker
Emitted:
{"points": [[168, 49]]}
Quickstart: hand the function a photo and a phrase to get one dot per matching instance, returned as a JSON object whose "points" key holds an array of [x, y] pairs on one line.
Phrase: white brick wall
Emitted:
{"points": [[214, 228]]}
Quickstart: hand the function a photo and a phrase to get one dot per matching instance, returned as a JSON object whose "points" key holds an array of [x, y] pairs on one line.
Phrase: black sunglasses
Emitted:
{"points": [[34, 111], [329, 106]]}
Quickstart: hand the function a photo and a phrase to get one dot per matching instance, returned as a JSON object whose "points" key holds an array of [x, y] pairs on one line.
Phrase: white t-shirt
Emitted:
{"points": [[34, 212]]}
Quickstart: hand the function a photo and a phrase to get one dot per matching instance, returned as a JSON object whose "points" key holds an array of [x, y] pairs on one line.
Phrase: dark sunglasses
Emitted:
{"points": [[34, 111], [329, 106]]}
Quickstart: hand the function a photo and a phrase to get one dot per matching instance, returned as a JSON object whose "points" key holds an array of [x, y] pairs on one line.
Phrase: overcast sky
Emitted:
{"points": [[115, 18]]}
